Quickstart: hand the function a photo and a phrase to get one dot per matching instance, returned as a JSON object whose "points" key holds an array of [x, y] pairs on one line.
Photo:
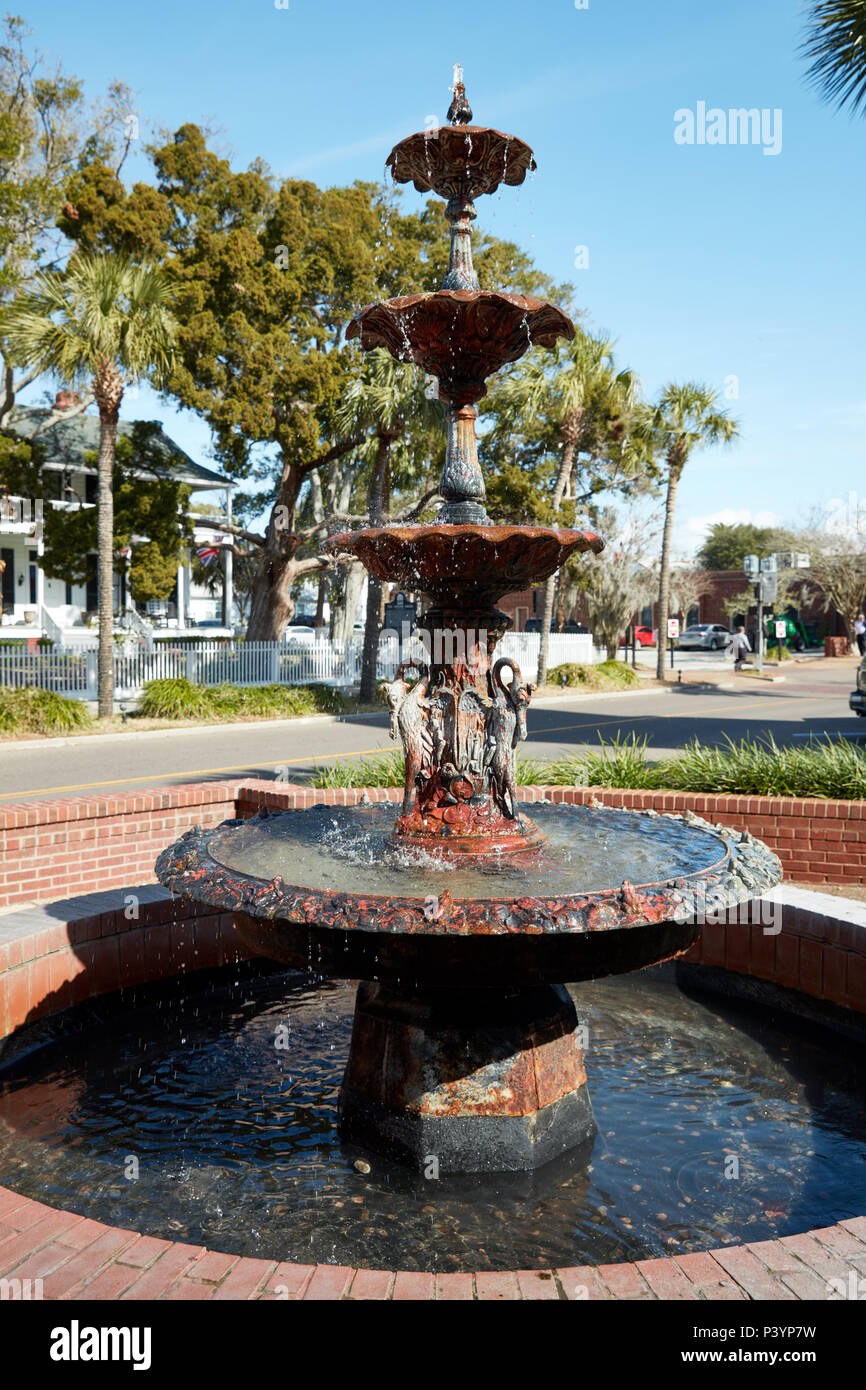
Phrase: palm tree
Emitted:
{"points": [[685, 418], [107, 322], [836, 45], [402, 427], [586, 403]]}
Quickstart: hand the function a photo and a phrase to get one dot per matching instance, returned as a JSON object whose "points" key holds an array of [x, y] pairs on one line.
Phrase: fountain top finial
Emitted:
{"points": [[459, 112]]}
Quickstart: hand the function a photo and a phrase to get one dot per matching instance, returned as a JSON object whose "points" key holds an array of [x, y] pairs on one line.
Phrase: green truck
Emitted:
{"points": [[798, 635]]}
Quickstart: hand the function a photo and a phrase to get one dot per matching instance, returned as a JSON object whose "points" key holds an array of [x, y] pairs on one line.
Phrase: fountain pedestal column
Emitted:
{"points": [[477, 1080]]}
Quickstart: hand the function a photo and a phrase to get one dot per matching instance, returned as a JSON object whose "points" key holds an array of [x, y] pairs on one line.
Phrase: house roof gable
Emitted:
{"points": [[66, 441]]}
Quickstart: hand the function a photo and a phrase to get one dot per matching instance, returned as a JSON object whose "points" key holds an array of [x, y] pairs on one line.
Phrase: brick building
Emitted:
{"points": [[723, 585]]}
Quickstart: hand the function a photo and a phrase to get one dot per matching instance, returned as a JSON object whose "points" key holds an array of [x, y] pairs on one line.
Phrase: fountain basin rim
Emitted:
{"points": [[560, 325], [745, 870], [493, 534]]}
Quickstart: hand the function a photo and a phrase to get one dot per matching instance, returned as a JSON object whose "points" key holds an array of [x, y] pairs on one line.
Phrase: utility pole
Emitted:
{"points": [[766, 592], [759, 635]]}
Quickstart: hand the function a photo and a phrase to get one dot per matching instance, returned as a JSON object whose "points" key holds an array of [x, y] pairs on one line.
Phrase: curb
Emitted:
{"points": [[80, 740]]}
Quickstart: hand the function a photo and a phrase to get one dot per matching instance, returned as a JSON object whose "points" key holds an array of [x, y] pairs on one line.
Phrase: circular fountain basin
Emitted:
{"points": [[465, 1046], [610, 891]]}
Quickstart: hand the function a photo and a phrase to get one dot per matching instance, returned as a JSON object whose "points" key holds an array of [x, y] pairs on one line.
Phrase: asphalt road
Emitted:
{"points": [[812, 699]]}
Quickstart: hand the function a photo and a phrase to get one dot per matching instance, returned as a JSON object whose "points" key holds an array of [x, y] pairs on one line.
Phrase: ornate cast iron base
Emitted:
{"points": [[467, 829], [479, 1080]]}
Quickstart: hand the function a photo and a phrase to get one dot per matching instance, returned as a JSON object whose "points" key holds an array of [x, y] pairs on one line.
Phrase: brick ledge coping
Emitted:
{"points": [[78, 1257]]}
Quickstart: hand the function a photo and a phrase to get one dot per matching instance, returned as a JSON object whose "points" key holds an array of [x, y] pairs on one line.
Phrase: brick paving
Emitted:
{"points": [[120, 1264]]}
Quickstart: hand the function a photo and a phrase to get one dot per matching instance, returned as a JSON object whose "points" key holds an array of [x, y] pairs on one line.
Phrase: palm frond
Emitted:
{"points": [[835, 45]]}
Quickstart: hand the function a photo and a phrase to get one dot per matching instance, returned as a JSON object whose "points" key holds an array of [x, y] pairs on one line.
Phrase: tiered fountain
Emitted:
{"points": [[460, 916]]}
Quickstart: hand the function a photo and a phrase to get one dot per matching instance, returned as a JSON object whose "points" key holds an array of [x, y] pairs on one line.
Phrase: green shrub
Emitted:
{"points": [[386, 770], [832, 768], [389, 770], [28, 710], [622, 762], [178, 698], [174, 698], [606, 675]]}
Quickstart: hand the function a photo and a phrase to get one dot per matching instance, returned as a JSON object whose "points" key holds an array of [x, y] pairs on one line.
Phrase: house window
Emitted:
{"points": [[68, 593], [90, 482], [32, 575], [646, 616], [693, 616]]}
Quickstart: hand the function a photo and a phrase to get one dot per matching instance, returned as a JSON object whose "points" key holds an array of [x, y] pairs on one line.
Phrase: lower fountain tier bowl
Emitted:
{"points": [[474, 564], [610, 891]]}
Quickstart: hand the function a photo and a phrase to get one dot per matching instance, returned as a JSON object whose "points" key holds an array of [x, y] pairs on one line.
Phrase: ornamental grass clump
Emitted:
{"points": [[832, 768], [606, 675], [29, 710], [177, 698]]}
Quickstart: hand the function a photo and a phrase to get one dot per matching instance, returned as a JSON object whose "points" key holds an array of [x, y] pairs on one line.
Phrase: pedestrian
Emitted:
{"points": [[738, 647], [860, 633]]}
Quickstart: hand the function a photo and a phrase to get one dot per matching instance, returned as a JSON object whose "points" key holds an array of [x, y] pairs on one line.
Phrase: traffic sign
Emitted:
{"points": [[767, 588], [673, 627], [781, 629]]}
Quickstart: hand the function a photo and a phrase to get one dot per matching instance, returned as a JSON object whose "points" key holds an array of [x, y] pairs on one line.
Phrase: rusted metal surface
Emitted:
{"points": [[465, 1052], [460, 161], [481, 1079], [415, 961], [466, 566], [460, 725], [744, 870], [492, 328]]}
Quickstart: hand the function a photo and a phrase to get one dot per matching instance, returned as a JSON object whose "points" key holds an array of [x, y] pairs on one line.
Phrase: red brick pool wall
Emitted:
{"points": [[51, 849]]}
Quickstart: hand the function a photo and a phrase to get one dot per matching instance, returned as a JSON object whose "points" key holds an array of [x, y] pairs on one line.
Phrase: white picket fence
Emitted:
{"points": [[249, 663]]}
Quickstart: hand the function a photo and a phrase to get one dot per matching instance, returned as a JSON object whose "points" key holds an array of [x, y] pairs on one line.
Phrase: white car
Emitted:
{"points": [[705, 637], [299, 635]]}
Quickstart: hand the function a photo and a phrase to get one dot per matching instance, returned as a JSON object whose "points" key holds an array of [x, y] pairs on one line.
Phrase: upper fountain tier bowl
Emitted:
{"points": [[471, 565], [460, 336], [459, 162]]}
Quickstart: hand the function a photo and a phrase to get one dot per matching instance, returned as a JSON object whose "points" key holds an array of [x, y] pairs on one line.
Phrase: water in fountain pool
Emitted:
{"points": [[585, 850], [226, 1095]]}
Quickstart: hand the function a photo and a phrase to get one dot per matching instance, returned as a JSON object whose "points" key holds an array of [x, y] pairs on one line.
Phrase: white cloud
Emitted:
{"points": [[690, 533]]}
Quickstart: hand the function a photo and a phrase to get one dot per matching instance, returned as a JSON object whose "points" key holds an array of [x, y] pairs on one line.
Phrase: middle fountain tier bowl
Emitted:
{"points": [[465, 1047], [465, 567]]}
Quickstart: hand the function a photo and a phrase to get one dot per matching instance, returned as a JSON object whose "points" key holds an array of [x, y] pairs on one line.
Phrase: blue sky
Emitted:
{"points": [[708, 262]]}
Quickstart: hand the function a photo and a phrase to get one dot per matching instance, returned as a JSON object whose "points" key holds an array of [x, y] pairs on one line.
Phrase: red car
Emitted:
{"points": [[644, 636]]}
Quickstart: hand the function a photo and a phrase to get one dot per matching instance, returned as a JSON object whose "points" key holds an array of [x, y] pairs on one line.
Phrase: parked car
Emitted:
{"points": [[644, 637], [857, 698], [299, 633], [705, 637]]}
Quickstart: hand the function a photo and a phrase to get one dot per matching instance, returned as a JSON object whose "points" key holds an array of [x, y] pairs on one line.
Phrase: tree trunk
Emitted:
{"points": [[674, 474], [562, 478], [319, 620], [344, 611], [108, 415], [377, 500], [271, 602]]}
